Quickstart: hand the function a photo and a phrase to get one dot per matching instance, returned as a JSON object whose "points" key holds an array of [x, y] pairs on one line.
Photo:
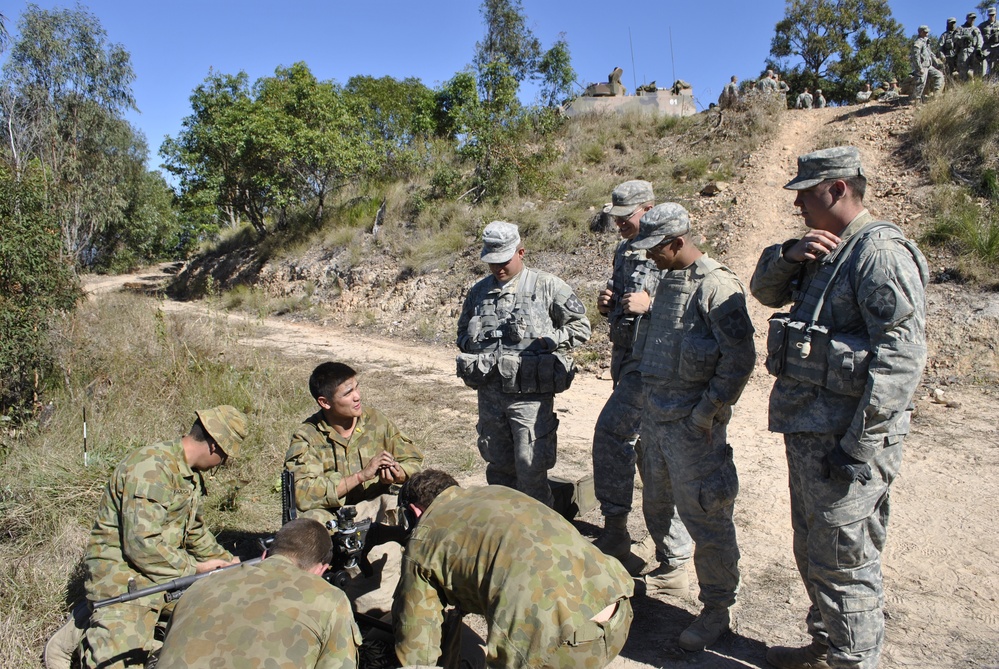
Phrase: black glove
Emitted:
{"points": [[839, 466]]}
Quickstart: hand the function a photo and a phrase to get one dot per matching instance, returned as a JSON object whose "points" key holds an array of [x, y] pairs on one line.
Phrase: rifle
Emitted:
{"points": [[173, 589]]}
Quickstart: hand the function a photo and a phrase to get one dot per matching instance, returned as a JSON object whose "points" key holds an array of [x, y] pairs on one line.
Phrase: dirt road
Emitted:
{"points": [[942, 586]]}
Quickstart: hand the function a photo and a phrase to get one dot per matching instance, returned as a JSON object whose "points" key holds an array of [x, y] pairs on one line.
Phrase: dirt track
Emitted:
{"points": [[942, 587]]}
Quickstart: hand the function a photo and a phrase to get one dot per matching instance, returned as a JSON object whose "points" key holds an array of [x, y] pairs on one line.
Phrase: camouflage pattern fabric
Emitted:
{"points": [[698, 356], [496, 552], [990, 43], [616, 431], [149, 530], [517, 431], [320, 458], [968, 41], [948, 49], [839, 529], [272, 615], [820, 101], [518, 439], [923, 61], [804, 101], [766, 85], [729, 97]]}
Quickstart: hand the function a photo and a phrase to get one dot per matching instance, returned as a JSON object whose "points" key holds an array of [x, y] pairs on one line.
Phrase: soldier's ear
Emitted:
{"points": [[324, 403]]}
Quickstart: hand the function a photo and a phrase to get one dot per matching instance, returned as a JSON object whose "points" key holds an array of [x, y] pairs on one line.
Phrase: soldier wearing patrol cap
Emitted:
{"points": [[149, 530], [948, 48], [847, 358], [968, 45], [627, 304], [928, 80], [989, 28], [516, 329], [698, 355]]}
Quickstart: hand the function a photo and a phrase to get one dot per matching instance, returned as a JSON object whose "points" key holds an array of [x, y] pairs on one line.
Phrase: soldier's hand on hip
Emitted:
{"points": [[814, 244], [839, 466]]}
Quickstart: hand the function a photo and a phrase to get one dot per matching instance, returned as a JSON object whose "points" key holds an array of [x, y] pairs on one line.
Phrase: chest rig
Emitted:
{"points": [[633, 272], [498, 326]]}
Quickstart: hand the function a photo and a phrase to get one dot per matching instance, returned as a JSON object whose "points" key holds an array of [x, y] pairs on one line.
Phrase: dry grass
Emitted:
{"points": [[141, 374]]}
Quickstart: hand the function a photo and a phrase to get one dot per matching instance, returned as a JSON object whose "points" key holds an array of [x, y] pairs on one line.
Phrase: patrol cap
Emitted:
{"points": [[664, 222], [226, 425], [924, 29], [499, 242], [629, 195], [952, 20], [992, 11], [971, 15], [836, 163]]}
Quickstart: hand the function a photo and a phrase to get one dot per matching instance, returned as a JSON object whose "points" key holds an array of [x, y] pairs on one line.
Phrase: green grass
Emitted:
{"points": [[966, 227]]}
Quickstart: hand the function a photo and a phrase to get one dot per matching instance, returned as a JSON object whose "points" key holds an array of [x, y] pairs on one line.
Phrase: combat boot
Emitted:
{"points": [[709, 624], [615, 540], [812, 656], [667, 580]]}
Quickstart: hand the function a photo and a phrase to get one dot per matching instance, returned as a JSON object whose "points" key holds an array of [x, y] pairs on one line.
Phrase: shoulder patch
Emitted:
{"points": [[574, 305]]}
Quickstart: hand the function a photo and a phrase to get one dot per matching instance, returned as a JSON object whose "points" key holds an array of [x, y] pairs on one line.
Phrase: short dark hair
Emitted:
{"points": [[199, 433], [327, 377], [423, 488], [304, 541], [858, 185]]}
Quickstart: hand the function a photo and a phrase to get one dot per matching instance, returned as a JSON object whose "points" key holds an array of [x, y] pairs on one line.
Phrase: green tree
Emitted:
{"points": [[36, 283], [65, 91], [836, 45], [556, 74], [507, 40]]}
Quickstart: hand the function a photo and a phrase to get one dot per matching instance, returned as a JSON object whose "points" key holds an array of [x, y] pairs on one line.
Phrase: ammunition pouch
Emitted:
{"points": [[622, 332], [535, 372], [811, 354], [475, 368]]}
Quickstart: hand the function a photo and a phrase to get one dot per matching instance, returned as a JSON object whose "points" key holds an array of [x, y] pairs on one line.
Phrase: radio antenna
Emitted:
{"points": [[631, 46]]}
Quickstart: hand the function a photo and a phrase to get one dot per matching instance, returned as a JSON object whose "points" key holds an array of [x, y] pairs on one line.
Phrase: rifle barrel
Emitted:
{"points": [[175, 585]]}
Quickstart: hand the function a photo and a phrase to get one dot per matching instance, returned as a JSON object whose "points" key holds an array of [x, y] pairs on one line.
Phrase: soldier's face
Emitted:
{"points": [[346, 400], [664, 254], [628, 225], [814, 205], [509, 269]]}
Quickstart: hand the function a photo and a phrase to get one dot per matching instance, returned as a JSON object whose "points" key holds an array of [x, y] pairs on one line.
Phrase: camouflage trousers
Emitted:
{"points": [[839, 533], [927, 83], [964, 65], [614, 439], [685, 466], [593, 645], [518, 439], [122, 635]]}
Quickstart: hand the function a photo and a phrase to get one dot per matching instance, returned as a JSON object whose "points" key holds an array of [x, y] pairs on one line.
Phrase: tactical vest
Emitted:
{"points": [[679, 343], [632, 273], [498, 345], [800, 347]]}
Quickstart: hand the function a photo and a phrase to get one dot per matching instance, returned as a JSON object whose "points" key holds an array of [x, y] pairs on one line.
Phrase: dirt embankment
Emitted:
{"points": [[942, 589]]}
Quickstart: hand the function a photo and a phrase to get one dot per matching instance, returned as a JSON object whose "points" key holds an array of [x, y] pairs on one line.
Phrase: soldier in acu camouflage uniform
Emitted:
{"points": [[550, 598], [698, 355], [928, 79], [627, 302], [968, 46], [352, 454], [804, 100], [279, 614], [729, 98], [948, 48], [767, 83], [989, 28], [149, 530], [515, 332], [848, 358]]}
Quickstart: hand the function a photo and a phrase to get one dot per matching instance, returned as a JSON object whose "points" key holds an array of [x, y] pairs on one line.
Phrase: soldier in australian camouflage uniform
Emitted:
{"points": [[515, 332], [279, 613], [627, 302], [848, 358], [149, 530], [349, 454], [697, 358], [550, 597]]}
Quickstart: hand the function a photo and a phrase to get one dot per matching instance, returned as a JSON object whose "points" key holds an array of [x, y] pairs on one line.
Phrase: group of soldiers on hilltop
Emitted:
{"points": [[962, 53]]}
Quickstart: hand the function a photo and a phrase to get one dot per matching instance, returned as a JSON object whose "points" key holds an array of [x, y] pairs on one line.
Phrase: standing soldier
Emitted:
{"points": [[515, 332], [729, 98], [948, 48], [848, 358], [968, 44], [804, 100], [698, 356], [627, 302], [767, 83], [989, 28], [820, 100], [923, 62]]}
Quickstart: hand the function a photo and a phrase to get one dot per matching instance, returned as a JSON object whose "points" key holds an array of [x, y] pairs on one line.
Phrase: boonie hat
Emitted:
{"points": [[836, 163], [226, 425], [664, 222], [499, 242], [629, 195]]}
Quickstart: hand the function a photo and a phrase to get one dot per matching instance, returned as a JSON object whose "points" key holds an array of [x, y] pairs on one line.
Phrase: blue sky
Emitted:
{"points": [[173, 43]]}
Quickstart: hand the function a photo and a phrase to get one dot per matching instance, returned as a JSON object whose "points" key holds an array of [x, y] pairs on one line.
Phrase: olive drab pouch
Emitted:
{"points": [[565, 372], [698, 359], [848, 357]]}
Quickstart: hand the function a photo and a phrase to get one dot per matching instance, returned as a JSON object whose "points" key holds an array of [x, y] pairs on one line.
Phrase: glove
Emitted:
{"points": [[839, 466]]}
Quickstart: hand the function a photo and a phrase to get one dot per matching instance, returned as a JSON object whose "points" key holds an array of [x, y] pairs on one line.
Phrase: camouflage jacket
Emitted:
{"points": [[149, 526], [633, 271], [948, 43], [990, 34], [556, 313], [699, 351], [879, 296], [968, 38], [320, 458], [921, 56], [767, 85], [273, 615], [496, 552]]}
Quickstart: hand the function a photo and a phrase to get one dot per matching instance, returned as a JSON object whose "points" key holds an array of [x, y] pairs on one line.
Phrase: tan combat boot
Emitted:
{"points": [[812, 656], [709, 624], [667, 580], [615, 540]]}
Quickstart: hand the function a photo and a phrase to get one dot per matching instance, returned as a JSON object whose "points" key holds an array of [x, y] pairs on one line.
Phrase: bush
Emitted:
{"points": [[965, 227]]}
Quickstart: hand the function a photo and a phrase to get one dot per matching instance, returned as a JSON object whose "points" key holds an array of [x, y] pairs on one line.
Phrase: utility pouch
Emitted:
{"points": [[848, 357], [508, 366], [526, 381], [622, 332], [777, 342], [474, 369], [805, 354]]}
